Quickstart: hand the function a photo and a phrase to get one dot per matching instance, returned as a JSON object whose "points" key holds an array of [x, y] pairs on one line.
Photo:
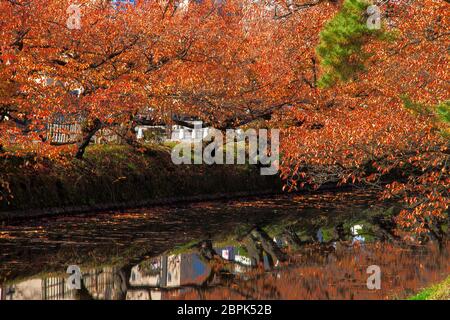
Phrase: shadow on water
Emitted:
{"points": [[315, 246]]}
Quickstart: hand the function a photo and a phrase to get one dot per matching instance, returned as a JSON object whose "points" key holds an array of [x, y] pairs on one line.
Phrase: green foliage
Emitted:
{"points": [[423, 295], [341, 40], [440, 113], [415, 107], [440, 291], [443, 111]]}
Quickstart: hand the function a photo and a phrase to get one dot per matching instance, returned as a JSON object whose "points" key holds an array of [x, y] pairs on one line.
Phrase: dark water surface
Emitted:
{"points": [[303, 243]]}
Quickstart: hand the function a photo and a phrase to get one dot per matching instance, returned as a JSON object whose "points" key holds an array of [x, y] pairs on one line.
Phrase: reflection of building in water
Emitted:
{"points": [[173, 275], [235, 254], [144, 294], [185, 269], [165, 272], [144, 281], [56, 289], [27, 290], [356, 233], [138, 295], [227, 253], [169, 271], [100, 284], [147, 273], [246, 261], [104, 284], [51, 288]]}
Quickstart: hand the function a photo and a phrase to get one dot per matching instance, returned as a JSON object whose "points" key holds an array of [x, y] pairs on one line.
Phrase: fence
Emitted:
{"points": [[63, 133]]}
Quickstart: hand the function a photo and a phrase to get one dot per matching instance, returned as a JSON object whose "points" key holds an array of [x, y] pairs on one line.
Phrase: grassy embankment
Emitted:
{"points": [[112, 177], [440, 291]]}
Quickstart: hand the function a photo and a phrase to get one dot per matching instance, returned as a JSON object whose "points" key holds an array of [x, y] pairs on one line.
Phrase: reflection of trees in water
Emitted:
{"points": [[338, 274], [333, 270], [48, 244], [302, 269], [108, 283], [315, 271], [306, 269]]}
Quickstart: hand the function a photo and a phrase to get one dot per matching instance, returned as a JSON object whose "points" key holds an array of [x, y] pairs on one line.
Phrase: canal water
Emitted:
{"points": [[315, 246]]}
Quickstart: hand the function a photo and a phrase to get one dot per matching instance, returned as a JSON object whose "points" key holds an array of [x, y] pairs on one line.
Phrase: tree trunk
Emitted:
{"points": [[254, 250], [339, 233], [291, 238], [83, 293], [268, 245], [131, 137], [89, 133], [207, 251]]}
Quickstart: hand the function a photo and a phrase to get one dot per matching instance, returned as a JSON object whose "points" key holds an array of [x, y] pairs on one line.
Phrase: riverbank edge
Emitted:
{"points": [[119, 178], [13, 216], [439, 291]]}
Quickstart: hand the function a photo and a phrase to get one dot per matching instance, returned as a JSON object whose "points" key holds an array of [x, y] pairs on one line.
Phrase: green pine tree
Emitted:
{"points": [[341, 40]]}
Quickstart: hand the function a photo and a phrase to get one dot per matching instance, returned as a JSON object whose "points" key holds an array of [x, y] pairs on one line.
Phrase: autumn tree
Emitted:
{"points": [[356, 105], [366, 135], [228, 63]]}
